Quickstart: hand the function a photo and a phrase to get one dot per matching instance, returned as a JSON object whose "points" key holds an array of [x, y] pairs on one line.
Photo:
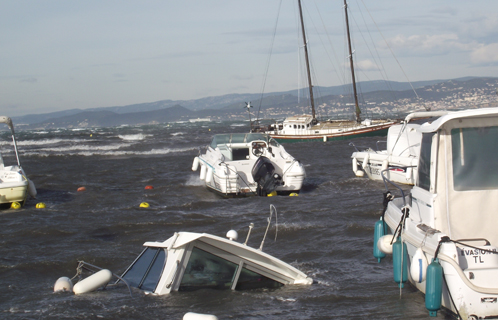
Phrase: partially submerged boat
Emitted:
{"points": [[449, 217], [245, 164], [400, 158], [190, 261], [14, 183]]}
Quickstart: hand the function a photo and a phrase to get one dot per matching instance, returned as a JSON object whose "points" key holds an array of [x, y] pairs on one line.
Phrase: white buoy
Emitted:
{"points": [[360, 173], [203, 172], [384, 244], [232, 235], [209, 175], [63, 284], [195, 164], [418, 268], [199, 316], [93, 282]]}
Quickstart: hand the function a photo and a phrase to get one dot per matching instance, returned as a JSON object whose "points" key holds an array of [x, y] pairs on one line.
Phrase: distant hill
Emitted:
{"points": [[276, 104]]}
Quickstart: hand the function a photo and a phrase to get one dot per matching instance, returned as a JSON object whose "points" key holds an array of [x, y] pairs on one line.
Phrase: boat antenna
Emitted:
{"points": [[248, 106], [272, 209], [250, 228], [305, 42], [357, 107]]}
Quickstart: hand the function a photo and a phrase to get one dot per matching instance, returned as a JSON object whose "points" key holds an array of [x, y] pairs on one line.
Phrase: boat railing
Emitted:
{"points": [[387, 181], [82, 265]]}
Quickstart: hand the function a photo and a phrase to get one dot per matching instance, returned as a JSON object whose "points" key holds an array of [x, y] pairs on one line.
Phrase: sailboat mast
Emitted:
{"points": [[310, 85], [357, 107]]}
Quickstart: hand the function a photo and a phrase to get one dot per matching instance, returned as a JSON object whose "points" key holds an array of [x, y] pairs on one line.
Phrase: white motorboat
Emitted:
{"points": [[243, 164], [14, 183], [449, 217], [190, 261], [400, 156]]}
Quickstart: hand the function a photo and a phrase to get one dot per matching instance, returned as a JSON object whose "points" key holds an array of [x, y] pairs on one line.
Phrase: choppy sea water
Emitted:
{"points": [[326, 232]]}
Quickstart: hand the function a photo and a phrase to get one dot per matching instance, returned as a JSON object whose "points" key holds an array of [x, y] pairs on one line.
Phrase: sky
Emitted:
{"points": [[58, 54]]}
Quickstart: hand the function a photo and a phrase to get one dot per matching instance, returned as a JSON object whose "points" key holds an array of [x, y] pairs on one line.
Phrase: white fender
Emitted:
{"points": [[409, 172], [31, 189], [209, 175], [418, 268], [93, 282], [385, 164], [365, 161], [384, 244], [203, 172], [355, 165], [199, 316], [195, 164], [63, 284]]}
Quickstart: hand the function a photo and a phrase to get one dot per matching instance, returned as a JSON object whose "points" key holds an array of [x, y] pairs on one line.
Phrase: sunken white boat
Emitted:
{"points": [[400, 158], [14, 183], [190, 261], [244, 164], [443, 233]]}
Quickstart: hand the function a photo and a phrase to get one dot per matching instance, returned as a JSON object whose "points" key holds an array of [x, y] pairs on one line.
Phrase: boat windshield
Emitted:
{"points": [[146, 270], [224, 139], [474, 151]]}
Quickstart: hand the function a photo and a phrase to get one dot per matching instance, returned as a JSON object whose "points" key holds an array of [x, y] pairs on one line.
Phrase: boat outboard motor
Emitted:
{"points": [[263, 173]]}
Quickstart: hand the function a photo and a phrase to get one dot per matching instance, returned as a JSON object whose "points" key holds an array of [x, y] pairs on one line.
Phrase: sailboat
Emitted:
{"points": [[308, 127]]}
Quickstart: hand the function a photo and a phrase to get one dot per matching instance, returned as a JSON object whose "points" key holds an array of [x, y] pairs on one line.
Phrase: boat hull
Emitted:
{"points": [[13, 192], [366, 132]]}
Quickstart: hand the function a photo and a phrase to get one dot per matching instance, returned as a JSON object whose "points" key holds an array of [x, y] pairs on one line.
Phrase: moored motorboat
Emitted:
{"points": [[244, 164], [444, 238], [190, 261], [14, 183], [400, 157]]}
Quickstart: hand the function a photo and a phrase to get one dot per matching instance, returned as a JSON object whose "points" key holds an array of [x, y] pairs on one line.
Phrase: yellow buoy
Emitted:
{"points": [[274, 193], [40, 205], [293, 194], [15, 205], [144, 205]]}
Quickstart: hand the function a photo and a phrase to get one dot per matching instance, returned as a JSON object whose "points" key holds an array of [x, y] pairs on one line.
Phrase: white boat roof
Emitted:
{"points": [[305, 118], [256, 256], [435, 125]]}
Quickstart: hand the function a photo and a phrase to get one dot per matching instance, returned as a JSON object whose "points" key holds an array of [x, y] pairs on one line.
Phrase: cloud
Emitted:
{"points": [[367, 65], [485, 54], [429, 44]]}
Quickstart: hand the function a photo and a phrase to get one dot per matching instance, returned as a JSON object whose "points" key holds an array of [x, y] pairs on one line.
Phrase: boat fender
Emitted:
{"points": [[209, 175], [195, 164], [385, 164], [203, 172], [199, 316], [63, 284], [434, 287], [400, 266], [418, 268], [32, 189], [365, 161], [408, 173], [355, 165], [384, 244], [378, 232], [93, 282]]}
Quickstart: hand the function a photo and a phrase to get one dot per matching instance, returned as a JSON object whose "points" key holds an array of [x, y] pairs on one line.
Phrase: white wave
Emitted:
{"points": [[194, 180], [85, 147], [238, 125], [178, 133], [134, 137], [48, 141], [100, 151]]}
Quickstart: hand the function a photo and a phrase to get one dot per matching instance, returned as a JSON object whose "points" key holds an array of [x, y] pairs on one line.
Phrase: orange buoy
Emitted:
{"points": [[149, 187], [81, 189]]}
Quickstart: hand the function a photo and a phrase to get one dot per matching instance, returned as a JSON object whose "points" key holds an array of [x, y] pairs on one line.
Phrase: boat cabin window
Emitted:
{"points": [[206, 270], [474, 152], [424, 162], [240, 154], [146, 271]]}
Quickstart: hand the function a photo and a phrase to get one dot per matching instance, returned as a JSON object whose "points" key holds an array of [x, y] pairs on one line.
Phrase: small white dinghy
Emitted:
{"points": [[398, 162], [190, 261], [443, 234], [14, 183], [246, 164]]}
